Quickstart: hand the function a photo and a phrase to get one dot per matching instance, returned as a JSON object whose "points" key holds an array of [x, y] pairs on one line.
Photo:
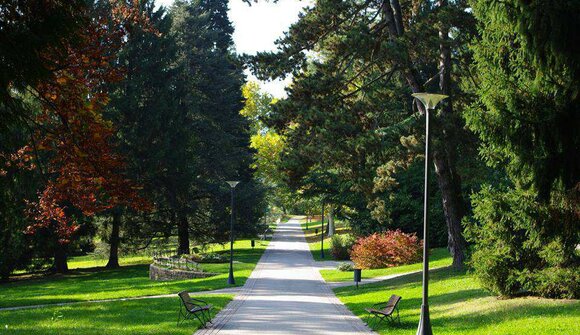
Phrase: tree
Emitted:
{"points": [[151, 131], [208, 85], [363, 47], [268, 146], [527, 119], [70, 141]]}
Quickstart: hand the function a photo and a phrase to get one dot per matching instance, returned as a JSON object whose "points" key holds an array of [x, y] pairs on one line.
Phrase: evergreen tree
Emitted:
{"points": [[152, 132], [526, 230], [369, 57], [208, 84]]}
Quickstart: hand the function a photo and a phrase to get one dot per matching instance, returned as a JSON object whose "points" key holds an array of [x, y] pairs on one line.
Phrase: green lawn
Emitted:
{"points": [[127, 281], [459, 306], [146, 316], [90, 261], [439, 257]]}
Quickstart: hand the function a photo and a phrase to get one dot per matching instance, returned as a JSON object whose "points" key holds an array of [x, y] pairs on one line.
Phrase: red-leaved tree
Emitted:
{"points": [[72, 144]]}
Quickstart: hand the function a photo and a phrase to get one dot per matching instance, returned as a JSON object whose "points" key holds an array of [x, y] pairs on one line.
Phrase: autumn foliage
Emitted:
{"points": [[388, 249], [72, 144]]}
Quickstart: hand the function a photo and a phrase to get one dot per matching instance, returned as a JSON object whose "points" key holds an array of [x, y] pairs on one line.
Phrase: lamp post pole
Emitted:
{"points": [[322, 232], [429, 102], [231, 280]]}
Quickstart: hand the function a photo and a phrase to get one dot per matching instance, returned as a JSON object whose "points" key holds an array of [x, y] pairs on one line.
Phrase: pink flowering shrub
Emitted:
{"points": [[388, 249]]}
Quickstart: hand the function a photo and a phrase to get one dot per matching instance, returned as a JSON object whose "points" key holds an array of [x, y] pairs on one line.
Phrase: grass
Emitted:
{"points": [[145, 316], [439, 257], [313, 239], [90, 261], [127, 281], [458, 305]]}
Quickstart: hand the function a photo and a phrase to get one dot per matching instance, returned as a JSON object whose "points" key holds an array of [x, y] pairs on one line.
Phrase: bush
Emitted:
{"points": [[385, 250], [523, 246], [341, 245], [553, 282], [345, 267]]}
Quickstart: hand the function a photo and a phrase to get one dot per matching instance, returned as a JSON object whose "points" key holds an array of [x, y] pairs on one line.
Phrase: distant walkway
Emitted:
{"points": [[286, 295]]}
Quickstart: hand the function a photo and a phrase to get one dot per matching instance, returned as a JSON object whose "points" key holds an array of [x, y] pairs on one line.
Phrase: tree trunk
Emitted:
{"points": [[453, 206], [331, 228], [60, 259], [114, 241], [444, 157], [182, 235], [444, 154]]}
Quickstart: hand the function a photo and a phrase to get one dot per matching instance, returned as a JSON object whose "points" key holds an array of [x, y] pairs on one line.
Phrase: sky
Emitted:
{"points": [[258, 26]]}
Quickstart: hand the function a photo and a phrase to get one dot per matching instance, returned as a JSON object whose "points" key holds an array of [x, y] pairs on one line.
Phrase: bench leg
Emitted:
{"points": [[206, 314], [195, 315], [180, 314]]}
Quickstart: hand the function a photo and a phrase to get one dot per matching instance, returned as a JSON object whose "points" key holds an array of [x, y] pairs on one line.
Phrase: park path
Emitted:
{"points": [[286, 295]]}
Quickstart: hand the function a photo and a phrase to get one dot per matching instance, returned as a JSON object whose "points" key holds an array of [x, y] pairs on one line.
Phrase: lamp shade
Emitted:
{"points": [[429, 100], [233, 184]]}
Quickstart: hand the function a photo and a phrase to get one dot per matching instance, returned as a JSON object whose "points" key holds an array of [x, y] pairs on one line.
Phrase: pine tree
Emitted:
{"points": [[362, 47]]}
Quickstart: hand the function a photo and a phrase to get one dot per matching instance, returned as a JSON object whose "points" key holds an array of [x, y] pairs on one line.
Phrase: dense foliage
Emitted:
{"points": [[351, 127], [354, 137], [525, 230], [120, 122], [517, 248], [120, 118]]}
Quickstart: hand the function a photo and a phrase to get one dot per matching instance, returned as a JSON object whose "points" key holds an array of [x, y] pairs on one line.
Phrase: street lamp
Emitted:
{"points": [[322, 232], [231, 280], [429, 101]]}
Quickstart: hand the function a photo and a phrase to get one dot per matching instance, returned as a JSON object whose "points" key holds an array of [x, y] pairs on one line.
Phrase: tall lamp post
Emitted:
{"points": [[429, 101], [322, 232], [231, 280]]}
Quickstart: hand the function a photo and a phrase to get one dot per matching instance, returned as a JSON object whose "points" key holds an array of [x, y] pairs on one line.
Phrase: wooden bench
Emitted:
{"points": [[197, 308], [384, 311]]}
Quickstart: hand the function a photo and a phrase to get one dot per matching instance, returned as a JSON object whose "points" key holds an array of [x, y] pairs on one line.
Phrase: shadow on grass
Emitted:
{"points": [[458, 306], [127, 281], [152, 316]]}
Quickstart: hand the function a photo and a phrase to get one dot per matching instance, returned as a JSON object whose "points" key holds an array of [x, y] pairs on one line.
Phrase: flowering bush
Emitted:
{"points": [[385, 250]]}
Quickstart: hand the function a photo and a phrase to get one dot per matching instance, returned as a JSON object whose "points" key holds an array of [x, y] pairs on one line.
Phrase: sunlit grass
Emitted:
{"points": [[439, 257], [127, 281], [458, 305], [145, 316], [91, 261]]}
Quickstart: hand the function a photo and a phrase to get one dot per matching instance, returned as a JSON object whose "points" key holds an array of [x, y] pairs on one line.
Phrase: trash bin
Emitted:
{"points": [[316, 231], [357, 276], [253, 243]]}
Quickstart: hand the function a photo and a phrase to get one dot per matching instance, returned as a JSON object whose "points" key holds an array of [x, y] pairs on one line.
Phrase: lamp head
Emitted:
{"points": [[233, 184], [429, 100]]}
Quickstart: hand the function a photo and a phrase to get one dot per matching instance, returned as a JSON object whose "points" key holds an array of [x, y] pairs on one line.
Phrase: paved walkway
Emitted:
{"points": [[286, 295]]}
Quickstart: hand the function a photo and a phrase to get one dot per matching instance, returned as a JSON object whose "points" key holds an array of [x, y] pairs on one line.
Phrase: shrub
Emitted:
{"points": [[345, 267], [385, 250], [523, 246], [341, 245], [553, 282]]}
